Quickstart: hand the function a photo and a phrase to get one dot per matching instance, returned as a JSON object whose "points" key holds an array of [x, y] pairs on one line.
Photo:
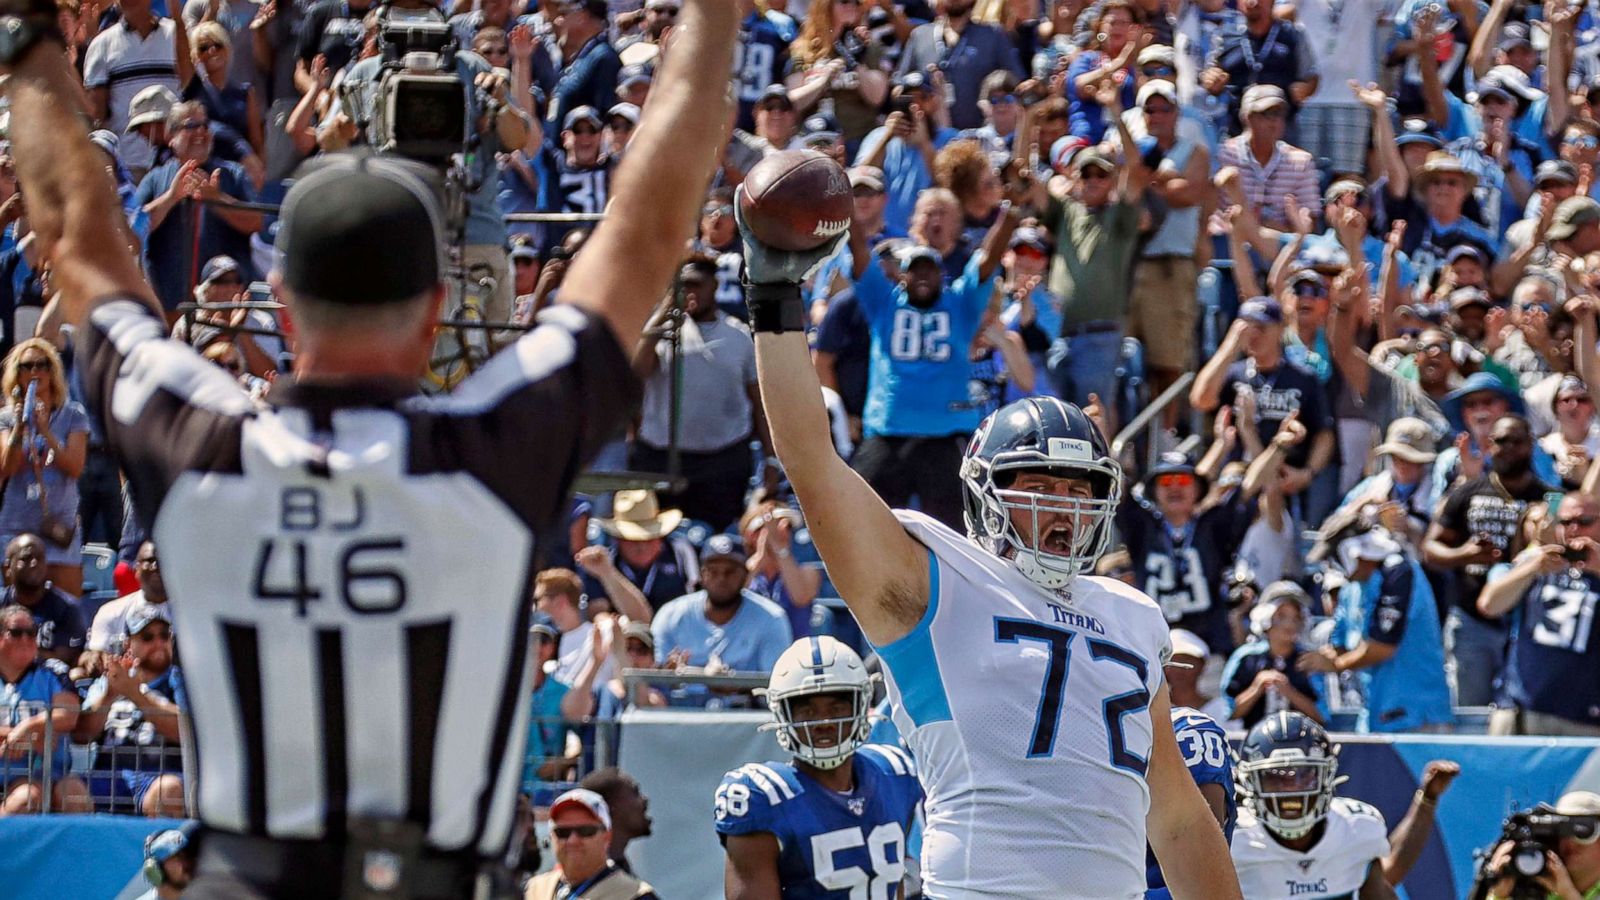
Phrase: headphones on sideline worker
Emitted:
{"points": [[160, 847]]}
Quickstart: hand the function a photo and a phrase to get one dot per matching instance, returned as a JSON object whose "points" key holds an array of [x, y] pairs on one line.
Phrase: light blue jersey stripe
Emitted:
{"points": [[915, 667]]}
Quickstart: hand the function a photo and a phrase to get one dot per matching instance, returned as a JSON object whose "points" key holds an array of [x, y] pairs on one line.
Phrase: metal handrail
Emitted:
{"points": [[632, 678], [1147, 415]]}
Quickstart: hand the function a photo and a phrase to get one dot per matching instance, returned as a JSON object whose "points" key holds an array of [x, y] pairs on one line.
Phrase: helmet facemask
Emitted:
{"points": [[1289, 792], [799, 738], [1068, 546]]}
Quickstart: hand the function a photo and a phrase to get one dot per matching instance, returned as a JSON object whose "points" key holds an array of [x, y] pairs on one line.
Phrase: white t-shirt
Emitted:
{"points": [[1343, 39]]}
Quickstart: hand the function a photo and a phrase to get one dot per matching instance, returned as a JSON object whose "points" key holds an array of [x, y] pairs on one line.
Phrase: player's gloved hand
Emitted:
{"points": [[772, 279]]}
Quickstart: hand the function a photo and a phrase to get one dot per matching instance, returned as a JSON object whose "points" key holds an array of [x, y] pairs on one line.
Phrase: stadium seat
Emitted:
{"points": [[99, 568]]}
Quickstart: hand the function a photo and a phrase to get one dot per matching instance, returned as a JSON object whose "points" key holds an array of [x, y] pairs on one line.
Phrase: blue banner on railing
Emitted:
{"points": [[88, 857]]}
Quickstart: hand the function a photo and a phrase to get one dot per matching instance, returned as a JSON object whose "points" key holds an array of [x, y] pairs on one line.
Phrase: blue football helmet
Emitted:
{"points": [[1288, 770], [1041, 434]]}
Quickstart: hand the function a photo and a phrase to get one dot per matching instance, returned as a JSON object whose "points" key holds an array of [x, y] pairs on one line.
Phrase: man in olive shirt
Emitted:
{"points": [[1095, 216]]}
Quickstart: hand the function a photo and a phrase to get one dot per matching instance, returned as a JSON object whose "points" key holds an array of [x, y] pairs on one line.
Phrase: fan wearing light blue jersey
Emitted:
{"points": [[1030, 694], [832, 824], [1205, 752]]}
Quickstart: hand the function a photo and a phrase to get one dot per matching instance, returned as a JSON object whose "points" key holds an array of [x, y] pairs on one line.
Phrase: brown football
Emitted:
{"points": [[796, 200]]}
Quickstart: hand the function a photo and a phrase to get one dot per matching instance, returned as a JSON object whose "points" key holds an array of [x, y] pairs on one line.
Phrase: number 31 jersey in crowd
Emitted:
{"points": [[1334, 868], [340, 658], [832, 846], [1027, 713]]}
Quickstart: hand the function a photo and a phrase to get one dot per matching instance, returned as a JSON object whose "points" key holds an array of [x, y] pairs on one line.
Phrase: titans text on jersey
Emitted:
{"points": [[1354, 836]]}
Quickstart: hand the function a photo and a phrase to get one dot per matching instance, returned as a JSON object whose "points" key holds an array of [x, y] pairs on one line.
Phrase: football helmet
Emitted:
{"points": [[819, 665], [1288, 770], [1040, 433]]}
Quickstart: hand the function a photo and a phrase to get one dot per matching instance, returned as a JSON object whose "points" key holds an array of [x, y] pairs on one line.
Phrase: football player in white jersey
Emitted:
{"points": [[1030, 694], [1296, 839]]}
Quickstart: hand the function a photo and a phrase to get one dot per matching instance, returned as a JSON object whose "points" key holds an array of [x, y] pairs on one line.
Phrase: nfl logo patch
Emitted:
{"points": [[1306, 864], [857, 805]]}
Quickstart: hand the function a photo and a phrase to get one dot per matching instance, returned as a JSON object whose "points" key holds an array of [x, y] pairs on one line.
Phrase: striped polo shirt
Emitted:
{"points": [[125, 63]]}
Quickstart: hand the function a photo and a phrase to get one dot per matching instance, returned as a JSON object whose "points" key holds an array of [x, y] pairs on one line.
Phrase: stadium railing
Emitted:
{"points": [[110, 772]]}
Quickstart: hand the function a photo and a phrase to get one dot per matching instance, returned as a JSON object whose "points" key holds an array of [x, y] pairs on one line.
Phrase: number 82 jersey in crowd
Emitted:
{"points": [[832, 846]]}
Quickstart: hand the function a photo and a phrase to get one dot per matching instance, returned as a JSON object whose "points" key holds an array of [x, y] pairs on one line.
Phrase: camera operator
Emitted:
{"points": [[1571, 868], [1552, 678], [499, 124]]}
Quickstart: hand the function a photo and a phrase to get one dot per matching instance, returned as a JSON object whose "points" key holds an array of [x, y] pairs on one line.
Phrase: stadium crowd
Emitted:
{"points": [[1352, 243]]}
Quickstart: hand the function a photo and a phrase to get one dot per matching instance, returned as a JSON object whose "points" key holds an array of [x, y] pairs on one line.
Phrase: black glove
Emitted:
{"points": [[772, 279]]}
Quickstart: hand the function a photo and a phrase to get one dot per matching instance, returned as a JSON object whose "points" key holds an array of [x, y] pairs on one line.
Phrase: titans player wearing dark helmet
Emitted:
{"points": [[832, 824], [1205, 752], [1296, 839]]}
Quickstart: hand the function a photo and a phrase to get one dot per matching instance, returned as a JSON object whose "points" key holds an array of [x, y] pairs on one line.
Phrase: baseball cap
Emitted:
{"points": [[1464, 251], [1262, 311], [629, 76], [1029, 237], [164, 845], [362, 230], [1281, 592], [639, 631], [105, 140], [1157, 88], [912, 81], [1324, 256], [1259, 97], [1579, 803], [1514, 81], [1187, 643], [1418, 131], [1469, 296], [543, 624], [1369, 546], [596, 8], [819, 129], [1064, 149], [1089, 156], [907, 255], [1408, 439], [625, 110], [1555, 170], [589, 800], [1157, 53], [524, 251], [722, 546], [150, 105], [1342, 186], [216, 267], [869, 177], [1491, 88], [775, 92], [1515, 35], [145, 616], [1572, 214], [1308, 276], [581, 114]]}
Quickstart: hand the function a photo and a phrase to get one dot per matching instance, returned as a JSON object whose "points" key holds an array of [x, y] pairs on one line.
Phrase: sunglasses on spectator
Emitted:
{"points": [[562, 832], [1578, 521], [191, 125], [34, 365], [1275, 112], [585, 129], [495, 50], [1176, 479], [1434, 349], [1508, 440], [1582, 141], [1575, 398], [227, 279], [1158, 71], [725, 209], [1310, 289], [152, 563], [1092, 172], [20, 634], [152, 635], [1002, 99], [207, 48], [621, 124], [848, 2], [668, 11]]}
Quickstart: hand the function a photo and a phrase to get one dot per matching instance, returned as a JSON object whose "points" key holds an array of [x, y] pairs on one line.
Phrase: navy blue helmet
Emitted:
{"points": [[1288, 769]]}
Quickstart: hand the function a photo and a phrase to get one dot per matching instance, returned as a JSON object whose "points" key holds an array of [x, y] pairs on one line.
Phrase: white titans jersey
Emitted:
{"points": [[1334, 867], [1027, 713]]}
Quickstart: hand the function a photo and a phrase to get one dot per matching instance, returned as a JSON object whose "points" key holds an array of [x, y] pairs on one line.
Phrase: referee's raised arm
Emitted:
{"points": [[72, 204], [625, 267]]}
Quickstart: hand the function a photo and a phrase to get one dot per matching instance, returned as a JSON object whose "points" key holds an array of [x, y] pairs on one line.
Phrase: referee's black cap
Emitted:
{"points": [[362, 230]]}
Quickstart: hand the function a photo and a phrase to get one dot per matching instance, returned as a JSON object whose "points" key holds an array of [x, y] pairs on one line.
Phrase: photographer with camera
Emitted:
{"points": [[1551, 677], [1546, 853], [415, 49]]}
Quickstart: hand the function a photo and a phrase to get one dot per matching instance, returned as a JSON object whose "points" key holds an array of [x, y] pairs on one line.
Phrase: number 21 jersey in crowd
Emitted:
{"points": [[342, 659], [1028, 715]]}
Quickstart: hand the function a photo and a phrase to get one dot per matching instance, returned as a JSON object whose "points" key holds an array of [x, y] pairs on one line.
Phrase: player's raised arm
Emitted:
{"points": [[628, 264], [72, 204], [1181, 826], [879, 569]]}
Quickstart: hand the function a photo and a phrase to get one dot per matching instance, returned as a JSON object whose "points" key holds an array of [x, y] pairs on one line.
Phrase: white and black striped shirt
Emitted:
{"points": [[350, 568]]}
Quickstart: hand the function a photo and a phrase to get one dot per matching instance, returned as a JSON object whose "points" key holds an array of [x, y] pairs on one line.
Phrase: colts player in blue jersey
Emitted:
{"points": [[832, 824], [1205, 751]]}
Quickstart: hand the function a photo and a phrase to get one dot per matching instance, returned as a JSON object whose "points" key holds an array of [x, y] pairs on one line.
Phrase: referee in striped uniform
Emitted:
{"points": [[351, 564]]}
